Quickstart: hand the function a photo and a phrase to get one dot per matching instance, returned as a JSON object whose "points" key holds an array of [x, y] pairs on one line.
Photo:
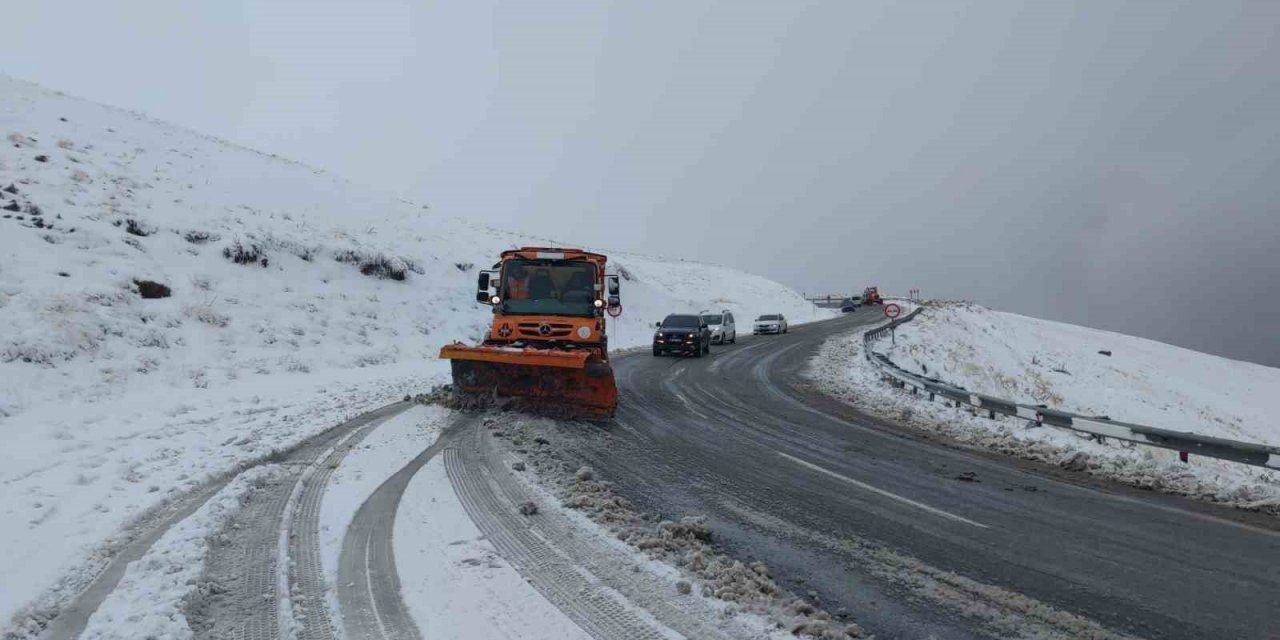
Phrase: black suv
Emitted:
{"points": [[682, 333]]}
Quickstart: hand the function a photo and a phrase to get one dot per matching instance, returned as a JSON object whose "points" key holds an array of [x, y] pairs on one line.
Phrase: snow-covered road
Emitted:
{"points": [[401, 523], [118, 409], [907, 531]]}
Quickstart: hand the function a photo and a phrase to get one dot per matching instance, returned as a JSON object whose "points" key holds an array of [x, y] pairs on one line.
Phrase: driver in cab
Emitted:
{"points": [[518, 283]]}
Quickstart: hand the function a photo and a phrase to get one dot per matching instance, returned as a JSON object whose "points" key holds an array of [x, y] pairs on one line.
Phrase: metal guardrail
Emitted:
{"points": [[1100, 427]]}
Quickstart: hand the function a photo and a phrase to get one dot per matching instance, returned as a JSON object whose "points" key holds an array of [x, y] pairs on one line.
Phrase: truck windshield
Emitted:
{"points": [[713, 319], [548, 287]]}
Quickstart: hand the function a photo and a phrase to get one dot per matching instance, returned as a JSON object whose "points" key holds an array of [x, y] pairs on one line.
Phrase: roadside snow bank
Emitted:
{"points": [[1062, 365], [1041, 362], [148, 601], [172, 306]]}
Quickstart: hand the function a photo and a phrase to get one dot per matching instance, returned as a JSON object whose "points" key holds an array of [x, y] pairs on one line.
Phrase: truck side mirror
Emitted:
{"points": [[482, 285], [614, 302], [658, 325], [613, 285]]}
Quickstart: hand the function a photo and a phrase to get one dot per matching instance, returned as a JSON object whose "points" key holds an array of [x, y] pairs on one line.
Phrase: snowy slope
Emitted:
{"points": [[1043, 362], [1036, 361], [111, 403]]}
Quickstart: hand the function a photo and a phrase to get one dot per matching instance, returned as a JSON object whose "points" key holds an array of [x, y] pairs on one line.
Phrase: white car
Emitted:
{"points": [[723, 329], [771, 323]]}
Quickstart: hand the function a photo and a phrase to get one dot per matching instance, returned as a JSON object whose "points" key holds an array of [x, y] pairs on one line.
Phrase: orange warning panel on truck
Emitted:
{"points": [[513, 355]]}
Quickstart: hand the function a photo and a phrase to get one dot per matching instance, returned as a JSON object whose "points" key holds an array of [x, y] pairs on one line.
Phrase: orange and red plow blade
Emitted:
{"points": [[559, 383]]}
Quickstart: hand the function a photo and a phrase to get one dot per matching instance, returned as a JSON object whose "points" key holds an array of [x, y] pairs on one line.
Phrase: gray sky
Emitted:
{"points": [[1114, 164]]}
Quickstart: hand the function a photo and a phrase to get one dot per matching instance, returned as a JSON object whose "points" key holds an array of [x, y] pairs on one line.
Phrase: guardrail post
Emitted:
{"points": [[1182, 455]]}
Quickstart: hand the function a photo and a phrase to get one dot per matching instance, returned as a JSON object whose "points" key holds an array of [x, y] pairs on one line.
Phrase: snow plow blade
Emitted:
{"points": [[561, 384]]}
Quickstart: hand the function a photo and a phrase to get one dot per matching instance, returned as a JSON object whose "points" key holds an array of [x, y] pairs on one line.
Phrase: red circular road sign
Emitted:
{"points": [[892, 310]]}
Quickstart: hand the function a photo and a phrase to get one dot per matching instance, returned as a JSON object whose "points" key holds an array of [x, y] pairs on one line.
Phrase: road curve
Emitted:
{"points": [[876, 520]]}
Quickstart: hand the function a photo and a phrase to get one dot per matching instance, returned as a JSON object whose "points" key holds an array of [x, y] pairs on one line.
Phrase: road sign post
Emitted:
{"points": [[892, 311]]}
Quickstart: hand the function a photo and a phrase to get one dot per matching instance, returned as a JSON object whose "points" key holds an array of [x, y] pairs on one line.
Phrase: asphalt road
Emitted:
{"points": [[876, 520]]}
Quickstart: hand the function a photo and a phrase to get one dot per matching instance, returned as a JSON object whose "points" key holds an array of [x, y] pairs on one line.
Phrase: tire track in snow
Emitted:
{"points": [[72, 618], [596, 608], [265, 581], [368, 582]]}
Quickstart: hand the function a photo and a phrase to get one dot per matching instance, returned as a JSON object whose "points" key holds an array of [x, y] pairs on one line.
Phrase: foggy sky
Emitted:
{"points": [[1114, 164]]}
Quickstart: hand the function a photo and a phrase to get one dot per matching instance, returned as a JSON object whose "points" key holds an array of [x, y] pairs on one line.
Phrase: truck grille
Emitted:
{"points": [[554, 329]]}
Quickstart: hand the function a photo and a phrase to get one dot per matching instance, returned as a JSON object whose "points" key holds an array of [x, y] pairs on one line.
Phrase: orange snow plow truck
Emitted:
{"points": [[547, 349]]}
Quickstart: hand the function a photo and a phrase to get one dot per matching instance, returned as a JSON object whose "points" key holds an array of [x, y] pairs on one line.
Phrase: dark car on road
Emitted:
{"points": [[680, 333], [849, 305]]}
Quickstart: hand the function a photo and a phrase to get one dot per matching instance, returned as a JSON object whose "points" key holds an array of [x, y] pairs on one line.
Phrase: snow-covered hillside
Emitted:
{"points": [[295, 299], [1036, 361], [1042, 362]]}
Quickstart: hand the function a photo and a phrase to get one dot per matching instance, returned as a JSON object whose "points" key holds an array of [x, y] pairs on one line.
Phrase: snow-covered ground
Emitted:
{"points": [[389, 448], [111, 404], [436, 544], [1042, 362], [148, 602]]}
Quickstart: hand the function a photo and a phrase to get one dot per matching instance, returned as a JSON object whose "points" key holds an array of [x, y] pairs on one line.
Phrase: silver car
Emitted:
{"points": [[723, 329], [770, 323]]}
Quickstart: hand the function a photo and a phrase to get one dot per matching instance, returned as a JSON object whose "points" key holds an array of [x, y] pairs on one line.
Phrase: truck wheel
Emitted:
{"points": [[657, 352]]}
